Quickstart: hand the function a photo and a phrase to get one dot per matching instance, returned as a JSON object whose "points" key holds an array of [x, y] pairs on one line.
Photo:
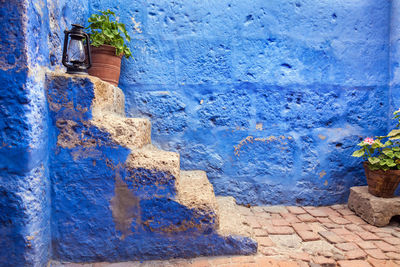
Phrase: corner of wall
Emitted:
{"points": [[394, 66], [25, 220]]}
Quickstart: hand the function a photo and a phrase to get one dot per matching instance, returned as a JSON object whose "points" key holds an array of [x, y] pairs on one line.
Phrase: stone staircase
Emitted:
{"points": [[150, 200]]}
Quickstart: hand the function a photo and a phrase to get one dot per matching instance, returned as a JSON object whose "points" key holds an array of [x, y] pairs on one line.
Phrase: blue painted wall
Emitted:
{"points": [[24, 187], [27, 39], [63, 13], [268, 97], [395, 55]]}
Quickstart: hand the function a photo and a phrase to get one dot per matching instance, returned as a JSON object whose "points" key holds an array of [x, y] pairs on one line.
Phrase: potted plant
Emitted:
{"points": [[382, 161], [108, 46]]}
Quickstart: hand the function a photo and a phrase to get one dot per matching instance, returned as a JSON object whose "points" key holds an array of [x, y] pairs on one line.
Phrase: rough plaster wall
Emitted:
{"points": [[30, 41], [394, 63], [63, 13], [24, 185], [268, 97], [395, 55]]}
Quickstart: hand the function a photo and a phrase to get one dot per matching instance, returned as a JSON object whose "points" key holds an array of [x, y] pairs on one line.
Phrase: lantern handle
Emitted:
{"points": [[89, 65], [64, 57]]}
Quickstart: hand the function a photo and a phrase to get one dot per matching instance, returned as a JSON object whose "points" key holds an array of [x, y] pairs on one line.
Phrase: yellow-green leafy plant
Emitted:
{"points": [[383, 152]]}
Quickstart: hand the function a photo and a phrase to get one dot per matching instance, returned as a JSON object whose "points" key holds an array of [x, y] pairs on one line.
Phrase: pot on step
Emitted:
{"points": [[382, 183], [106, 65]]}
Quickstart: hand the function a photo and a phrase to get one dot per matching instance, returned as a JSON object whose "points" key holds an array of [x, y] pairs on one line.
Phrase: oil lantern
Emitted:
{"points": [[76, 52]]}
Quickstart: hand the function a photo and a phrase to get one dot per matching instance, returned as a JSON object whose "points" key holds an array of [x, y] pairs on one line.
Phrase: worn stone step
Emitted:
{"points": [[194, 190], [88, 93], [231, 222], [107, 98], [151, 158], [132, 133]]}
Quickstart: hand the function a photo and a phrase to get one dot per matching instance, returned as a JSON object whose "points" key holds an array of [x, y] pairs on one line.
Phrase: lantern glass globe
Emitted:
{"points": [[76, 51]]}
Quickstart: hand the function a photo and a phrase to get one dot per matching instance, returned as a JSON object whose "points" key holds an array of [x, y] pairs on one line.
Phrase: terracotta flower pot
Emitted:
{"points": [[105, 64], [382, 183]]}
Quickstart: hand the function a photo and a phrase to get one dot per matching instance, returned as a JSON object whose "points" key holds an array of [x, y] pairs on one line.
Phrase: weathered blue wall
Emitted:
{"points": [[63, 13], [395, 55], [268, 97], [26, 42], [394, 90], [24, 187]]}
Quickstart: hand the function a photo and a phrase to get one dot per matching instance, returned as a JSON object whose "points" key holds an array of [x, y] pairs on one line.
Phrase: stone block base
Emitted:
{"points": [[374, 210]]}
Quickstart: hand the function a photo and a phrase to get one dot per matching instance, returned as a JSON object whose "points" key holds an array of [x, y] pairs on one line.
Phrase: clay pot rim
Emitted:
{"points": [[366, 165], [106, 48]]}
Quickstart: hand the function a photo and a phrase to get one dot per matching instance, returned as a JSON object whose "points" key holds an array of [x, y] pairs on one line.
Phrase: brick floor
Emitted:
{"points": [[300, 237]]}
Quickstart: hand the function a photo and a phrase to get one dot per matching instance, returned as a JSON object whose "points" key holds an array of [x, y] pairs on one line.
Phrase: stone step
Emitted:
{"points": [[231, 222], [132, 133], [107, 98], [194, 190], [151, 158], [88, 93]]}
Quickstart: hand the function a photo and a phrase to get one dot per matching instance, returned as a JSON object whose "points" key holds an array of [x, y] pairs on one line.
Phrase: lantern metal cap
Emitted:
{"points": [[77, 26]]}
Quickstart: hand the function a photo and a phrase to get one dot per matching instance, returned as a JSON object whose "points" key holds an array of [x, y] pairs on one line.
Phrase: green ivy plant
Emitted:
{"points": [[106, 30], [383, 153]]}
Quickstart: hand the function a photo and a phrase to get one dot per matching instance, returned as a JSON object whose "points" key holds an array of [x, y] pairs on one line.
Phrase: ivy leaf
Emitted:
{"points": [[389, 161], [388, 152], [396, 137], [373, 160], [377, 144], [392, 164], [361, 143], [374, 168], [358, 153], [388, 143], [394, 132]]}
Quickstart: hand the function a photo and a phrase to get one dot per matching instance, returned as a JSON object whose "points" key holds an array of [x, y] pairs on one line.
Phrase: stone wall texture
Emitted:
{"points": [[29, 45], [268, 97], [24, 187], [395, 55]]}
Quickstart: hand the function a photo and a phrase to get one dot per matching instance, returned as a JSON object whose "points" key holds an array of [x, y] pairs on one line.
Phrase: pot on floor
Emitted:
{"points": [[382, 183]]}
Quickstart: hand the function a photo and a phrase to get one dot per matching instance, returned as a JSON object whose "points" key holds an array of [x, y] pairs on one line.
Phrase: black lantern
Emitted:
{"points": [[76, 53]]}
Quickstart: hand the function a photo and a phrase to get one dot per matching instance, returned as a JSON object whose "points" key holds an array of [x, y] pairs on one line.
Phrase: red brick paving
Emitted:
{"points": [[367, 236], [280, 230], [376, 254], [356, 263], [355, 254], [306, 218], [331, 237], [346, 246], [296, 210], [302, 236], [308, 236]]}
